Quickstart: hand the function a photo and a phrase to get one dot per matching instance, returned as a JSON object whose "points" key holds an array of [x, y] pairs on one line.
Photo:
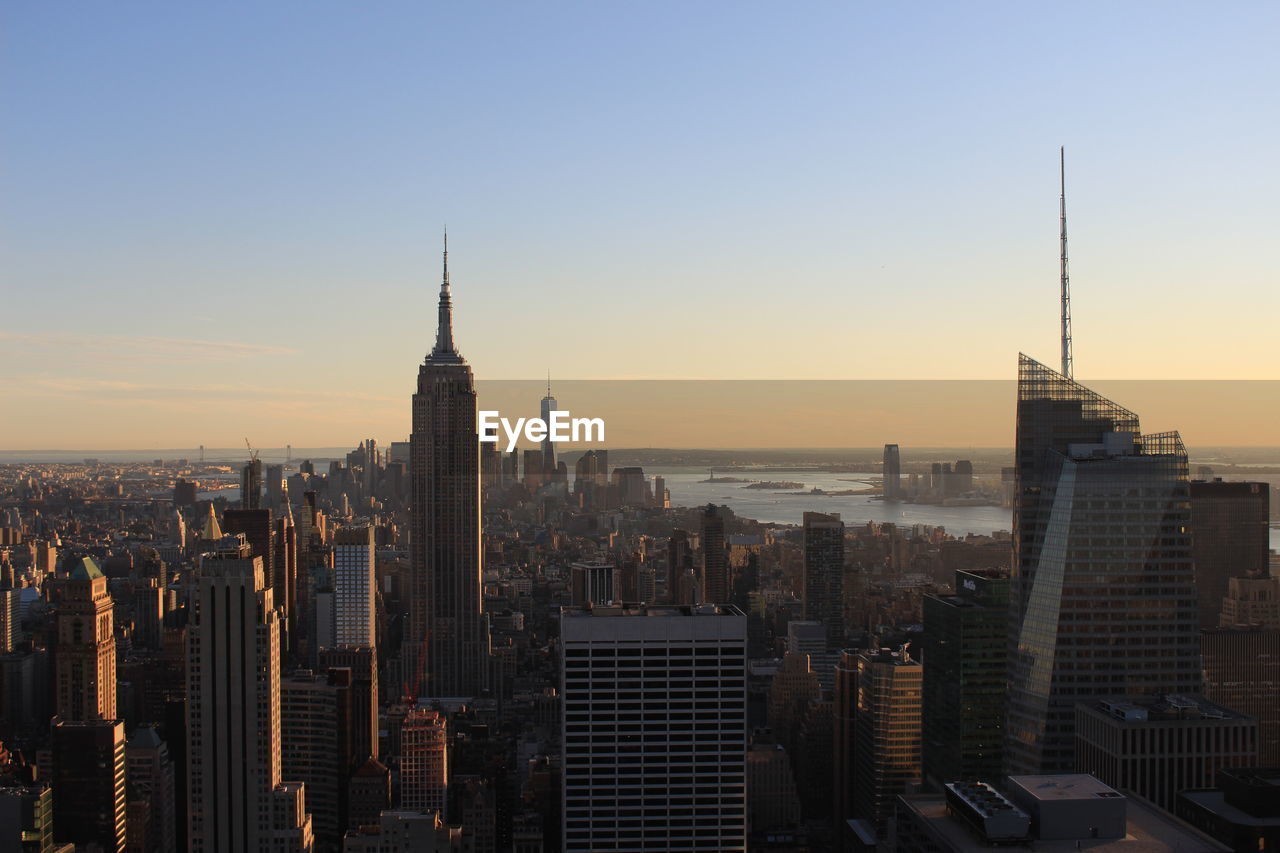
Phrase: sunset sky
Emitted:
{"points": [[220, 220]]}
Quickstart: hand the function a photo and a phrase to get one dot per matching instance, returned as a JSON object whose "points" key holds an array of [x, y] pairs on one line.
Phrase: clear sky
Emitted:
{"points": [[238, 205]]}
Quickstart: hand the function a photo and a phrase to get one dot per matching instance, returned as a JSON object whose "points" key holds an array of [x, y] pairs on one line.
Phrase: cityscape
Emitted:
{"points": [[1021, 612]]}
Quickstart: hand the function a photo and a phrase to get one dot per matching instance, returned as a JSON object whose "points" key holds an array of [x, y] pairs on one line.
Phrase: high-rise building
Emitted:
{"points": [[89, 783], [315, 739], [1229, 538], [1242, 672], [251, 484], [965, 646], [424, 762], [446, 625], [1251, 601], [363, 663], [150, 776], [824, 574], [548, 405], [715, 559], [664, 766], [274, 486], [355, 587], [238, 800], [404, 832], [886, 733], [892, 488], [592, 583], [679, 561], [1242, 810], [1102, 598], [85, 656], [26, 818], [1158, 746]]}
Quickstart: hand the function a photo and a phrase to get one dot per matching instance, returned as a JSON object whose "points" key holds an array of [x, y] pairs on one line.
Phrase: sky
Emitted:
{"points": [[225, 219]]}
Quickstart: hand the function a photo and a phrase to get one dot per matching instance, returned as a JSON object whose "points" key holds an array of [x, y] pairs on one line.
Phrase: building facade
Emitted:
{"points": [[965, 670], [823, 599], [447, 642], [1102, 596], [655, 728]]}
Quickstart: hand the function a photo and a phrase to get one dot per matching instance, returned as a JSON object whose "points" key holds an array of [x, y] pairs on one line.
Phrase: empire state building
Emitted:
{"points": [[448, 642]]}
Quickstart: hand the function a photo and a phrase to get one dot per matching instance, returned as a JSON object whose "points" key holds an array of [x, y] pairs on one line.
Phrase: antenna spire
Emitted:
{"points": [[1066, 281], [548, 382], [444, 328]]}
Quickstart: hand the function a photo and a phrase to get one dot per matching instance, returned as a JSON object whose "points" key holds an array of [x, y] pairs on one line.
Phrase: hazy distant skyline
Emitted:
{"points": [[226, 219]]}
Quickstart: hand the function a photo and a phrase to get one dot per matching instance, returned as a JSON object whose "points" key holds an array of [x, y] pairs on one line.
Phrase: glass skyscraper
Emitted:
{"points": [[1103, 597]]}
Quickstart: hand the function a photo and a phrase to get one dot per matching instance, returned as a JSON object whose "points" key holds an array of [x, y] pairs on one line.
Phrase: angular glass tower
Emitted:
{"points": [[1103, 596]]}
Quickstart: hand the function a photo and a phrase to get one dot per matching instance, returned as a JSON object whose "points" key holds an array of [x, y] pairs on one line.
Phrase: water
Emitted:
{"points": [[780, 507]]}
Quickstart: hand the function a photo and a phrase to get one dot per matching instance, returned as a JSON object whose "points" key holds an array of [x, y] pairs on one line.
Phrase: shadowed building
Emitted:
{"points": [[1102, 598], [447, 641]]}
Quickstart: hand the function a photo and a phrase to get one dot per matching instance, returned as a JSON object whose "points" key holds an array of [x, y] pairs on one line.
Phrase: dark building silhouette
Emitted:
{"points": [[89, 783], [1229, 539], [965, 650], [824, 574], [1102, 599], [715, 559]]}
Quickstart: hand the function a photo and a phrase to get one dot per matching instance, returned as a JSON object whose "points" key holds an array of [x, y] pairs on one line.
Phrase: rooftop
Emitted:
{"points": [[652, 610]]}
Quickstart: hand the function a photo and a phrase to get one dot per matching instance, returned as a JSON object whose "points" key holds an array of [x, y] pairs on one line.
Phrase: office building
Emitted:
{"points": [[592, 583], [315, 736], [404, 832], [1251, 601], [823, 599], [1102, 594], [1242, 672], [892, 488], [1158, 746], [363, 663], [368, 793], [679, 562], [772, 800], [654, 728], [1065, 813], [715, 559], [424, 762], [238, 799], [355, 587], [26, 818], [85, 656], [886, 733], [89, 783], [1229, 538], [964, 650], [1242, 809], [150, 774], [446, 623], [546, 406]]}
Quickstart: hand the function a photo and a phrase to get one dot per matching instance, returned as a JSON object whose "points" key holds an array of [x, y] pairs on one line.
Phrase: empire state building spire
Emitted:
{"points": [[444, 349]]}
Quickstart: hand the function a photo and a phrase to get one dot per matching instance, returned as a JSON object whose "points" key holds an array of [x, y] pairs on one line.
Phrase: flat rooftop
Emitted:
{"points": [[651, 610], [1148, 830], [1064, 786]]}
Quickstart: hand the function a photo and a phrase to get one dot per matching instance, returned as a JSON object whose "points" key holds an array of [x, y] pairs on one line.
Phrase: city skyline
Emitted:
{"points": [[840, 192]]}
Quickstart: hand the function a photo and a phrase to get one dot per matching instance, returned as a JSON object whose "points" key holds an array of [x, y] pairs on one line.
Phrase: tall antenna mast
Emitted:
{"points": [[1066, 281]]}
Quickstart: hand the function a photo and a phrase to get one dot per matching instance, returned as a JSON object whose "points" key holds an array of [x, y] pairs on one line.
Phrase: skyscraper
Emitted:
{"points": [[424, 762], [1229, 539], [664, 768], [886, 733], [238, 800], [715, 560], [315, 737], [892, 488], [546, 407], [965, 648], [824, 574], [89, 783], [448, 638], [150, 775], [86, 653], [1102, 598], [354, 587]]}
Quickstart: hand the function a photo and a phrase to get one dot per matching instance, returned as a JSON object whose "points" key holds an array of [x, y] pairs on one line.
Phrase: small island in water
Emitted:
{"points": [[778, 485]]}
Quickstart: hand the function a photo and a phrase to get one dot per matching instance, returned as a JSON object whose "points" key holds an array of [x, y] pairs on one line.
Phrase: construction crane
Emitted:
{"points": [[253, 454]]}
